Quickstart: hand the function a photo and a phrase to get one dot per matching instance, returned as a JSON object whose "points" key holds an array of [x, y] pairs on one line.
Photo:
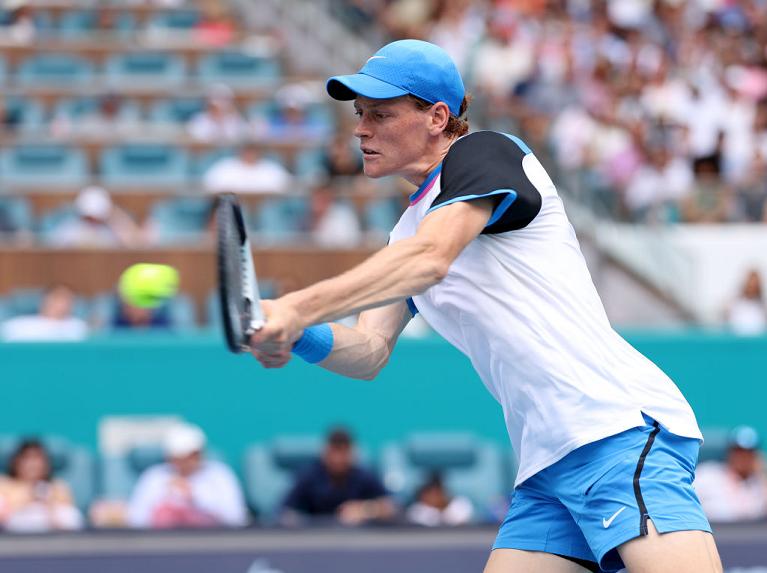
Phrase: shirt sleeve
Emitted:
{"points": [[490, 164]]}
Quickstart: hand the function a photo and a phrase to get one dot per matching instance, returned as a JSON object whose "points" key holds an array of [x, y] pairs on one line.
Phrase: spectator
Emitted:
{"points": [[747, 314], [53, 323], [31, 500], [99, 223], [340, 159], [217, 26], [735, 490], [334, 486], [248, 172], [10, 118], [220, 121], [334, 221], [129, 317], [19, 25], [187, 490], [292, 118], [105, 120], [433, 506]]}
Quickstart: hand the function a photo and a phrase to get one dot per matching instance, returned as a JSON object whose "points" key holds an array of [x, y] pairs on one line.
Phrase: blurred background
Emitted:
{"points": [[131, 438]]}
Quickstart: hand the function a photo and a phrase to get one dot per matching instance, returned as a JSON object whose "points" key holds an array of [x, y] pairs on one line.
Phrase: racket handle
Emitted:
{"points": [[315, 343]]}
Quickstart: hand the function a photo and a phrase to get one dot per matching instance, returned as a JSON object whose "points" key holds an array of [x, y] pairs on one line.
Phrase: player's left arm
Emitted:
{"points": [[394, 273]]}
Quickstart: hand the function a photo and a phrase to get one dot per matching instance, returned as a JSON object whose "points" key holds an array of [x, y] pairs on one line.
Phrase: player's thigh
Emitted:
{"points": [[674, 552], [518, 561]]}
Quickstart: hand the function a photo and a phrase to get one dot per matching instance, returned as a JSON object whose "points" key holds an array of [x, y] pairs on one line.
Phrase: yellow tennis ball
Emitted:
{"points": [[148, 285]]}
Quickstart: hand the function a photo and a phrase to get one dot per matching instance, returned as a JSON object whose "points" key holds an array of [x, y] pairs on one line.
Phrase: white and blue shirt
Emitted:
{"points": [[520, 303]]}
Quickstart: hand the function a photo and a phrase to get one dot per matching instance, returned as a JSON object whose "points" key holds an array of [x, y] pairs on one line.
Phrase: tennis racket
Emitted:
{"points": [[240, 302]]}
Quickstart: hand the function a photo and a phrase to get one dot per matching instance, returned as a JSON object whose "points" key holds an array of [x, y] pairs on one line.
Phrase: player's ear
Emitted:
{"points": [[439, 114]]}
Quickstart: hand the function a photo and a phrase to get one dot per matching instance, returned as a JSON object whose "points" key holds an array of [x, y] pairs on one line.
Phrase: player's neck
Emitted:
{"points": [[428, 162]]}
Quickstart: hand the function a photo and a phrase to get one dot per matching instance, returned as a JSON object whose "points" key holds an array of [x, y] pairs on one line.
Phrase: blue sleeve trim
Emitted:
{"points": [[498, 212], [315, 344], [411, 306], [521, 144]]}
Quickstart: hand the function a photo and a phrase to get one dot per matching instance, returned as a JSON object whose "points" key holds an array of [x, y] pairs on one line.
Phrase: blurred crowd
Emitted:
{"points": [[188, 485], [650, 109]]}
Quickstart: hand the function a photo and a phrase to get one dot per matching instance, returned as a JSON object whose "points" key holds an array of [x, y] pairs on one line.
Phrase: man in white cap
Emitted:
{"points": [[99, 223], [606, 442], [187, 490]]}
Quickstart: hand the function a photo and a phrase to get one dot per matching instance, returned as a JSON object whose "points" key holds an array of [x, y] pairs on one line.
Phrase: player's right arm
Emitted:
{"points": [[363, 350]]}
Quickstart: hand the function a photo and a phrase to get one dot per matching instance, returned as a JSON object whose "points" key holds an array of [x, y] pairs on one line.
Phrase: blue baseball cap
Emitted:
{"points": [[404, 67]]}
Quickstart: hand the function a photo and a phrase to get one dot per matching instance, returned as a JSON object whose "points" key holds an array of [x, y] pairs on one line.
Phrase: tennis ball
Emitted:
{"points": [[148, 285]]}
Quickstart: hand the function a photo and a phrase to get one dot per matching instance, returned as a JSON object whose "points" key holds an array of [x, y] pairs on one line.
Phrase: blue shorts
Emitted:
{"points": [[601, 495]]}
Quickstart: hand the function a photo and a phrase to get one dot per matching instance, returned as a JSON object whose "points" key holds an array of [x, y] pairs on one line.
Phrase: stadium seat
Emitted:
{"points": [[269, 469], [139, 69], [714, 448], [279, 220], [180, 220], [72, 463], [185, 19], [175, 110], [54, 69], [144, 165], [237, 69], [29, 111], [204, 161], [381, 215], [74, 24], [52, 166], [27, 301], [470, 467], [78, 107], [15, 215]]}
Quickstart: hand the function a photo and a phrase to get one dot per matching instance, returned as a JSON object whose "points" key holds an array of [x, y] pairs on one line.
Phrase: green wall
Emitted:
{"points": [[67, 388]]}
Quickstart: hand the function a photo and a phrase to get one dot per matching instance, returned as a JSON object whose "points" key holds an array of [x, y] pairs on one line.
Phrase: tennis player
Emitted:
{"points": [[607, 444]]}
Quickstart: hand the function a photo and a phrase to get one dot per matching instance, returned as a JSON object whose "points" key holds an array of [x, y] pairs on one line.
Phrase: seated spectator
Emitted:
{"points": [[99, 223], [187, 490], [217, 26], [248, 172], [335, 223], [340, 158], [220, 121], [10, 118], [31, 500], [19, 23], [129, 317], [54, 322], [103, 121], [434, 506], [747, 314], [335, 487], [735, 490], [291, 120]]}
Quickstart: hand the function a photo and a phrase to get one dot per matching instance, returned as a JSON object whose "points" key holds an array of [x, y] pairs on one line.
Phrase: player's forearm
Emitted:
{"points": [[357, 354], [396, 272]]}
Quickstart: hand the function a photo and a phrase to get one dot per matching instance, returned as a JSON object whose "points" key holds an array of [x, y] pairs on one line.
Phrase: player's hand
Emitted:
{"points": [[272, 344]]}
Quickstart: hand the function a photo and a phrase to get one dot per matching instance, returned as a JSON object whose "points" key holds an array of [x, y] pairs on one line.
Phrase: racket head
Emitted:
{"points": [[240, 303]]}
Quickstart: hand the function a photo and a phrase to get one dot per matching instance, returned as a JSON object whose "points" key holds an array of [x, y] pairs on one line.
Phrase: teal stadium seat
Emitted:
{"points": [[29, 111], [469, 467], [175, 111], [715, 443], [269, 470], [139, 166], [15, 215], [73, 24], [46, 165], [238, 69], [184, 19], [54, 69], [381, 215], [156, 69], [180, 220], [72, 463], [27, 301], [280, 220], [75, 108]]}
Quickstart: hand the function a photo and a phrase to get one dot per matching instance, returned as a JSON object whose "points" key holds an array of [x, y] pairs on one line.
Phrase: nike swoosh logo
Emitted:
{"points": [[608, 522], [376, 58]]}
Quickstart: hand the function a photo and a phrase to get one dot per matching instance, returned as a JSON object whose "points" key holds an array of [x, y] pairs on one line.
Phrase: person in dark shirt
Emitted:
{"points": [[334, 486]]}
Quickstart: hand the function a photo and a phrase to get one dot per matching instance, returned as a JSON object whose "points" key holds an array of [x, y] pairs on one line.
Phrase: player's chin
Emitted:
{"points": [[374, 168]]}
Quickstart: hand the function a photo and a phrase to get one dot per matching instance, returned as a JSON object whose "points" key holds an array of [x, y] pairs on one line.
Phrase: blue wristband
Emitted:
{"points": [[315, 343]]}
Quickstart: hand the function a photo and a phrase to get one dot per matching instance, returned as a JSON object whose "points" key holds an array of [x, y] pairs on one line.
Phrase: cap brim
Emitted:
{"points": [[345, 88]]}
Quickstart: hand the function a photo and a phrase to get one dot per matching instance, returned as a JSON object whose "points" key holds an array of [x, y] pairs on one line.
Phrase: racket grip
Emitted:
{"points": [[315, 343]]}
